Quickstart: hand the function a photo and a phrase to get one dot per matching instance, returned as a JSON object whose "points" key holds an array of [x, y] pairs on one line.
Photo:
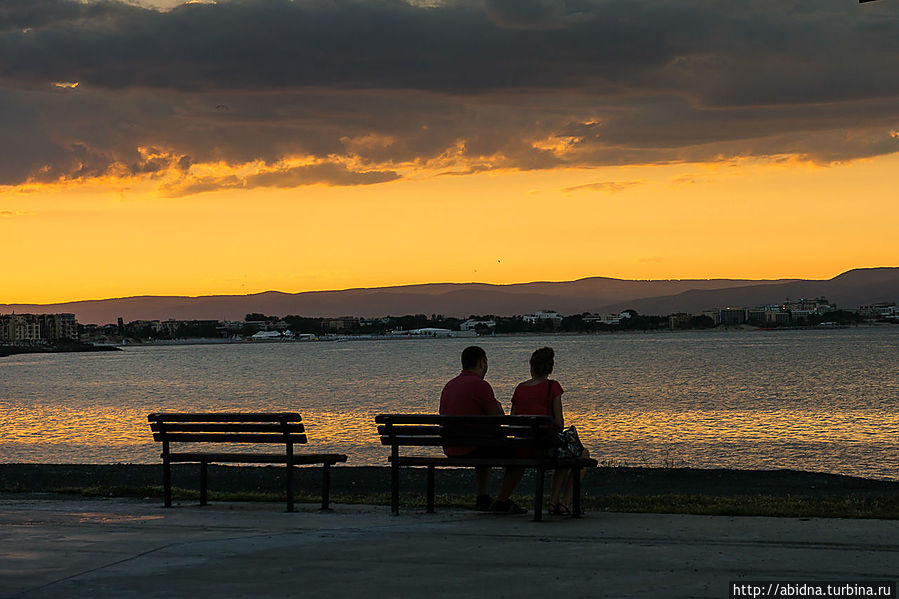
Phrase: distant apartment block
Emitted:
{"points": [[37, 328], [812, 306], [733, 316], [879, 310], [339, 324], [796, 311]]}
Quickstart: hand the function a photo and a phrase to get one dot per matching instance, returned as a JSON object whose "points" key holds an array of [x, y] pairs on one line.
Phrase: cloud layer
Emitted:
{"points": [[362, 91]]}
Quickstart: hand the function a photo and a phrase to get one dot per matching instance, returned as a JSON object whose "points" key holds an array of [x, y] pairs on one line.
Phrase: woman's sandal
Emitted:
{"points": [[559, 509]]}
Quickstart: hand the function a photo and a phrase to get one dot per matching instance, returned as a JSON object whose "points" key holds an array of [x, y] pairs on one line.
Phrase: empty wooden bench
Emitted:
{"points": [[505, 433], [222, 430]]}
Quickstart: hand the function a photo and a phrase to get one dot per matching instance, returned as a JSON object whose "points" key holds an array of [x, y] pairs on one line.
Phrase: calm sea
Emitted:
{"points": [[814, 400]]}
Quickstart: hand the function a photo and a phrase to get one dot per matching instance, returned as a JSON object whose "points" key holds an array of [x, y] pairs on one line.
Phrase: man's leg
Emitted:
{"points": [[510, 481], [482, 478]]}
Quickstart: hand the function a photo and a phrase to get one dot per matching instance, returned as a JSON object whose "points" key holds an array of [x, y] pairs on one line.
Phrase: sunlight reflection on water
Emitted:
{"points": [[815, 400]]}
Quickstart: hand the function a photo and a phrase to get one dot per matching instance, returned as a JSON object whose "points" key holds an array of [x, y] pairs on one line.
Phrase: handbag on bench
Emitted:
{"points": [[568, 443]]}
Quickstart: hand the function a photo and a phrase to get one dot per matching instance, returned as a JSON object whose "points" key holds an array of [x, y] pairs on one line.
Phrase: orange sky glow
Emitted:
{"points": [[113, 237]]}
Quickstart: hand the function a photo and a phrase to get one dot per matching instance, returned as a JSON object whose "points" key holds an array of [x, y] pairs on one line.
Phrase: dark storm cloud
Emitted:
{"points": [[533, 14], [734, 52], [467, 85], [455, 47]]}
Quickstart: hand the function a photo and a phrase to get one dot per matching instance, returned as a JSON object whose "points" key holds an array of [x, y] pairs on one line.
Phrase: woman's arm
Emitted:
{"points": [[558, 419]]}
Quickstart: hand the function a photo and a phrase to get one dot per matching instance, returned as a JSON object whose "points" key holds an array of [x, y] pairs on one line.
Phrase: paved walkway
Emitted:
{"points": [[120, 548]]}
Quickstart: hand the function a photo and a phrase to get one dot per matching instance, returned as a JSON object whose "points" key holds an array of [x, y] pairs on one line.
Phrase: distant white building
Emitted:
{"points": [[472, 325], [431, 332], [879, 310], [609, 319], [540, 315], [808, 306], [266, 336]]}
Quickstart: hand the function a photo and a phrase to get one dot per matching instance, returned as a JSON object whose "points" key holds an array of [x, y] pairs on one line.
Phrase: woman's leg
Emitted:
{"points": [[560, 481], [569, 488]]}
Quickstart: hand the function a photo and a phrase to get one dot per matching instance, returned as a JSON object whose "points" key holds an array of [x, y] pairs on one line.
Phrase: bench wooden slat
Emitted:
{"points": [[485, 428], [229, 437], [415, 441], [498, 462], [224, 417], [257, 458], [235, 427], [440, 419]]}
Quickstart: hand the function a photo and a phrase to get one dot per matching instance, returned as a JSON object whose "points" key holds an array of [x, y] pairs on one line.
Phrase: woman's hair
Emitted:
{"points": [[542, 361]]}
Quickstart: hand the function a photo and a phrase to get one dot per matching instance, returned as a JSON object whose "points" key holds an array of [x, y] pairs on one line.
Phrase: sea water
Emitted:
{"points": [[820, 400]]}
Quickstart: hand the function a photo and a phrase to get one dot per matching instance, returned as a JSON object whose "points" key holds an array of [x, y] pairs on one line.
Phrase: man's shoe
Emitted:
{"points": [[507, 507], [483, 503]]}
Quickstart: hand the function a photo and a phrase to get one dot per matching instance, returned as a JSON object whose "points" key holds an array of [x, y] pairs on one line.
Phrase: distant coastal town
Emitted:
{"points": [[63, 331]]}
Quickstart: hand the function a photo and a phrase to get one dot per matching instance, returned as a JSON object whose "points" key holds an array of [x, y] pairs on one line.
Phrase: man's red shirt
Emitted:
{"points": [[466, 395]]}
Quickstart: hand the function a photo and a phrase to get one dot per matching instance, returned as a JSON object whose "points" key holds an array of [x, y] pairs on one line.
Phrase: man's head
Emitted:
{"points": [[474, 358]]}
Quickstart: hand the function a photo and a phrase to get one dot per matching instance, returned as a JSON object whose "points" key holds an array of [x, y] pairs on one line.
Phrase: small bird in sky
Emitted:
{"points": [[221, 107]]}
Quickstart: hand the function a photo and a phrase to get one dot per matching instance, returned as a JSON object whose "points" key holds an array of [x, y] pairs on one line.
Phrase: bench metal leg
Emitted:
{"points": [[326, 487], [576, 511], [395, 481], [203, 476], [289, 487], [167, 482], [538, 496], [430, 489]]}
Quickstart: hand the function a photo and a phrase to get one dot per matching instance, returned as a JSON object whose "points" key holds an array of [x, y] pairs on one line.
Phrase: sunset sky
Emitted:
{"points": [[249, 145]]}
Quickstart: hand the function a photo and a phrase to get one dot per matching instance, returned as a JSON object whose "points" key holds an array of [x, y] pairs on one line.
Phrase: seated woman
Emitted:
{"points": [[540, 396]]}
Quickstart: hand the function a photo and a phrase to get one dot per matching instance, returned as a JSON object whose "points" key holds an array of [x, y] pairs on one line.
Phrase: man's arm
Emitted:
{"points": [[488, 402]]}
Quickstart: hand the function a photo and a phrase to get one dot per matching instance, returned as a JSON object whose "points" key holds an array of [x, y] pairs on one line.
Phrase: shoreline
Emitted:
{"points": [[365, 337], [16, 350], [761, 493]]}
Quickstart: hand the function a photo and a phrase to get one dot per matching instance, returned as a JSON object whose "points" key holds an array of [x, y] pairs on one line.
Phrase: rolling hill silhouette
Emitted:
{"points": [[594, 294]]}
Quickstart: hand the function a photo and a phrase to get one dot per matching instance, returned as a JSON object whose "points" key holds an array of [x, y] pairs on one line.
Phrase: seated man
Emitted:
{"points": [[470, 395]]}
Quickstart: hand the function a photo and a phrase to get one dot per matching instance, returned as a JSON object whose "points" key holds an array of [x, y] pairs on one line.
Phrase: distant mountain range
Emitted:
{"points": [[595, 294]]}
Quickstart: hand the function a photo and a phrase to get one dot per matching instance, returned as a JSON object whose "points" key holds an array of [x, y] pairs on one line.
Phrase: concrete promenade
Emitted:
{"points": [[74, 547]]}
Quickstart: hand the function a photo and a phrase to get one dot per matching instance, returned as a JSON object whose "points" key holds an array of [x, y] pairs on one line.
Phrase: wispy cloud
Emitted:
{"points": [[276, 176], [604, 186], [690, 179]]}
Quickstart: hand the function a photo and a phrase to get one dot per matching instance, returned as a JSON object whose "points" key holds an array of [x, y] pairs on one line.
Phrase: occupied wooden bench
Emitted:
{"points": [[505, 433], [225, 429]]}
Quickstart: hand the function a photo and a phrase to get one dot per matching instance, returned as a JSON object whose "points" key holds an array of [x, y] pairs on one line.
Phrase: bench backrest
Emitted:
{"points": [[466, 431], [280, 427]]}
